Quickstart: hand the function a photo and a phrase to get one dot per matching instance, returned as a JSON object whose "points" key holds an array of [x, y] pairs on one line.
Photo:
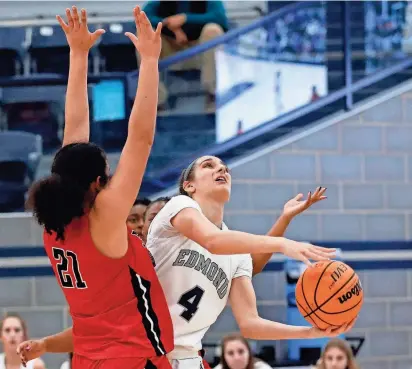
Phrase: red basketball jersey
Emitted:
{"points": [[117, 305]]}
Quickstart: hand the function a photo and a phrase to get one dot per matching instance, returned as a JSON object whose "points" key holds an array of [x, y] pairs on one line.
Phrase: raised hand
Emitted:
{"points": [[149, 42], [77, 34], [303, 251], [297, 205], [29, 350]]}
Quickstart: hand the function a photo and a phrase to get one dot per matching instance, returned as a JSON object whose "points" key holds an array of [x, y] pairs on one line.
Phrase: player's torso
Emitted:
{"points": [[106, 296], [196, 284]]}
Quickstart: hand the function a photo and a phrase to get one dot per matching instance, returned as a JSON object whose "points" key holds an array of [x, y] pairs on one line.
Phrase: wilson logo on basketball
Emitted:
{"points": [[354, 291], [342, 268]]}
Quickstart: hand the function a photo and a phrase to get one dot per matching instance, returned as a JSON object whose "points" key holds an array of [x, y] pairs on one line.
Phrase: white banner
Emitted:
{"points": [[252, 91]]}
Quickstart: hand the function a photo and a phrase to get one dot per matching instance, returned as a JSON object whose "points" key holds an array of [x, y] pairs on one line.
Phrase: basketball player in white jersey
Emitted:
{"points": [[201, 264]]}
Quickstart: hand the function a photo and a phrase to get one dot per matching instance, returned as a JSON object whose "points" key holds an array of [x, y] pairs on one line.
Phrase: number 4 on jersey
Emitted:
{"points": [[62, 257], [190, 301]]}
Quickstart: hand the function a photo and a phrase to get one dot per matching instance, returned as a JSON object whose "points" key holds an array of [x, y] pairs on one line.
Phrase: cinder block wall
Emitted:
{"points": [[366, 163]]}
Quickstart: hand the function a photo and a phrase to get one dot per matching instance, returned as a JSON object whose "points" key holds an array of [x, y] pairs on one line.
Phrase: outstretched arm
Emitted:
{"points": [[113, 204], [243, 302], [291, 209], [80, 40], [194, 225]]}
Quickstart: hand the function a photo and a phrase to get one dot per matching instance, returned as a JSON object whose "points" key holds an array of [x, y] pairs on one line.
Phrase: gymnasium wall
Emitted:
{"points": [[366, 164]]}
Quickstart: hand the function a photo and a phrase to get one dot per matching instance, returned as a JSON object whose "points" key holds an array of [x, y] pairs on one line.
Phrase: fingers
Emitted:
{"points": [[69, 18], [159, 29], [298, 197], [62, 23], [96, 34], [136, 14], [76, 18], [324, 249], [145, 26], [132, 38], [84, 17]]}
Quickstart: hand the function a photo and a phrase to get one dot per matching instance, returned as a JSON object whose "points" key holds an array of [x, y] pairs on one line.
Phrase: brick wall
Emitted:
{"points": [[366, 163]]}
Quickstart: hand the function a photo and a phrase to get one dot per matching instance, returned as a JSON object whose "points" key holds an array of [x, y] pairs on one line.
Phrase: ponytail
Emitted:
{"points": [[56, 201]]}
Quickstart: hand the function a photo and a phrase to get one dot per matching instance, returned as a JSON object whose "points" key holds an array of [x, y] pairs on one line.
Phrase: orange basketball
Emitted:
{"points": [[329, 294]]}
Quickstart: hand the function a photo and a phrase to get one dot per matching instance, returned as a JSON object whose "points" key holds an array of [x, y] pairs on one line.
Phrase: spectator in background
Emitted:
{"points": [[135, 218], [151, 211], [337, 354], [315, 95], [13, 332], [186, 24], [68, 363], [236, 354]]}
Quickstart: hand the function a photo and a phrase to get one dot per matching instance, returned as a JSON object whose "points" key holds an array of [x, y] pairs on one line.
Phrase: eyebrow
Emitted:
{"points": [[209, 159]]}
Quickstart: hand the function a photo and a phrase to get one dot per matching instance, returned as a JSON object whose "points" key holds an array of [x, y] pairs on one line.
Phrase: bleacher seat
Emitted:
{"points": [[20, 147], [49, 50], [12, 50], [117, 51]]}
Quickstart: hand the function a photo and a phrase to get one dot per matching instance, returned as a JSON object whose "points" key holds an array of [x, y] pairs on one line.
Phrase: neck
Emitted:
{"points": [[12, 360], [212, 210]]}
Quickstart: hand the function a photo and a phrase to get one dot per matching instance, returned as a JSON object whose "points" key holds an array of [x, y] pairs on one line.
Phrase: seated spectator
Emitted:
{"points": [[135, 218], [236, 354], [186, 24], [13, 332], [68, 363], [337, 354]]}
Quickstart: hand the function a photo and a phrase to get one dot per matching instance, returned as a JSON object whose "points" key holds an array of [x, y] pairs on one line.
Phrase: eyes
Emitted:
{"points": [[8, 330], [211, 165], [232, 352]]}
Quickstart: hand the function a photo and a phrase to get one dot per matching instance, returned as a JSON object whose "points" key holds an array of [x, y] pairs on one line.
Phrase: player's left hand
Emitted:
{"points": [[298, 205], [77, 33], [30, 350]]}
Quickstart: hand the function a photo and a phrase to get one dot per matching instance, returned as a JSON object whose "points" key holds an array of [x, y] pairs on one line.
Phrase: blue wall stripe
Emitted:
{"points": [[275, 266], [27, 251]]}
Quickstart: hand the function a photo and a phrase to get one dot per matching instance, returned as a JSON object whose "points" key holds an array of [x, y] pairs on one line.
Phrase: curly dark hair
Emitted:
{"points": [[59, 198]]}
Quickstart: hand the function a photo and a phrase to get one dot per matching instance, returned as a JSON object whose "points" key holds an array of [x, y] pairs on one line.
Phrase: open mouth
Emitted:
{"points": [[221, 179]]}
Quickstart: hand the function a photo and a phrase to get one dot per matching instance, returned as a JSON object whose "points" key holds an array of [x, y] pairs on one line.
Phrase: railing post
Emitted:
{"points": [[347, 53]]}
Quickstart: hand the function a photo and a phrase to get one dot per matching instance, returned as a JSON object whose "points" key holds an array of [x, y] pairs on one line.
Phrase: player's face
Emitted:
{"points": [[335, 358], [135, 218], [236, 354], [150, 214], [12, 333], [212, 178]]}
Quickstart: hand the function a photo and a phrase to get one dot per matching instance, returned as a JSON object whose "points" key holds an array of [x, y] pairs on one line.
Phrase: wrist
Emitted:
{"points": [[45, 343], [79, 53], [286, 217], [149, 60]]}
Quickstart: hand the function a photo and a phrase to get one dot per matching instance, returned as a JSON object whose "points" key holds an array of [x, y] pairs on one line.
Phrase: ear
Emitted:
{"points": [[189, 187]]}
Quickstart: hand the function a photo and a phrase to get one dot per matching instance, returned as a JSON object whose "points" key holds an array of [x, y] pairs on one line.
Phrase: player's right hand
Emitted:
{"points": [[331, 332], [77, 34], [304, 251], [30, 350], [148, 42]]}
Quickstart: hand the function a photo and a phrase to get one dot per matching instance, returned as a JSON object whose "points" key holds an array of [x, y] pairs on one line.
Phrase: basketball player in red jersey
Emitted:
{"points": [[120, 315]]}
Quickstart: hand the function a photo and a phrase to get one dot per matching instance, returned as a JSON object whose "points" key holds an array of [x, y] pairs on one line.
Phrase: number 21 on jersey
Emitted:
{"points": [[68, 259]]}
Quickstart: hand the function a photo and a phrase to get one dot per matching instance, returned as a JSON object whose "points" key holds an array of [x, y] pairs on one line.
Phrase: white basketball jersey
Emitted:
{"points": [[196, 283], [29, 365]]}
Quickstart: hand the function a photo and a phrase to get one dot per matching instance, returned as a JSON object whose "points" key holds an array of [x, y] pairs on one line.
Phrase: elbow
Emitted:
{"points": [[246, 330], [212, 243]]}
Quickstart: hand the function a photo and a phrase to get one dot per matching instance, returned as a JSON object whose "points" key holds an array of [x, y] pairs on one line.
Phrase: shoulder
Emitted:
{"points": [[259, 364]]}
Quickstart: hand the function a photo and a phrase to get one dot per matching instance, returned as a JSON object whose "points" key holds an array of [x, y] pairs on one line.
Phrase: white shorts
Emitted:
{"points": [[187, 363]]}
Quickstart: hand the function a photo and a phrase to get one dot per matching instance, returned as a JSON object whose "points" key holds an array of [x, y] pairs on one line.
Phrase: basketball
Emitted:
{"points": [[329, 294]]}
